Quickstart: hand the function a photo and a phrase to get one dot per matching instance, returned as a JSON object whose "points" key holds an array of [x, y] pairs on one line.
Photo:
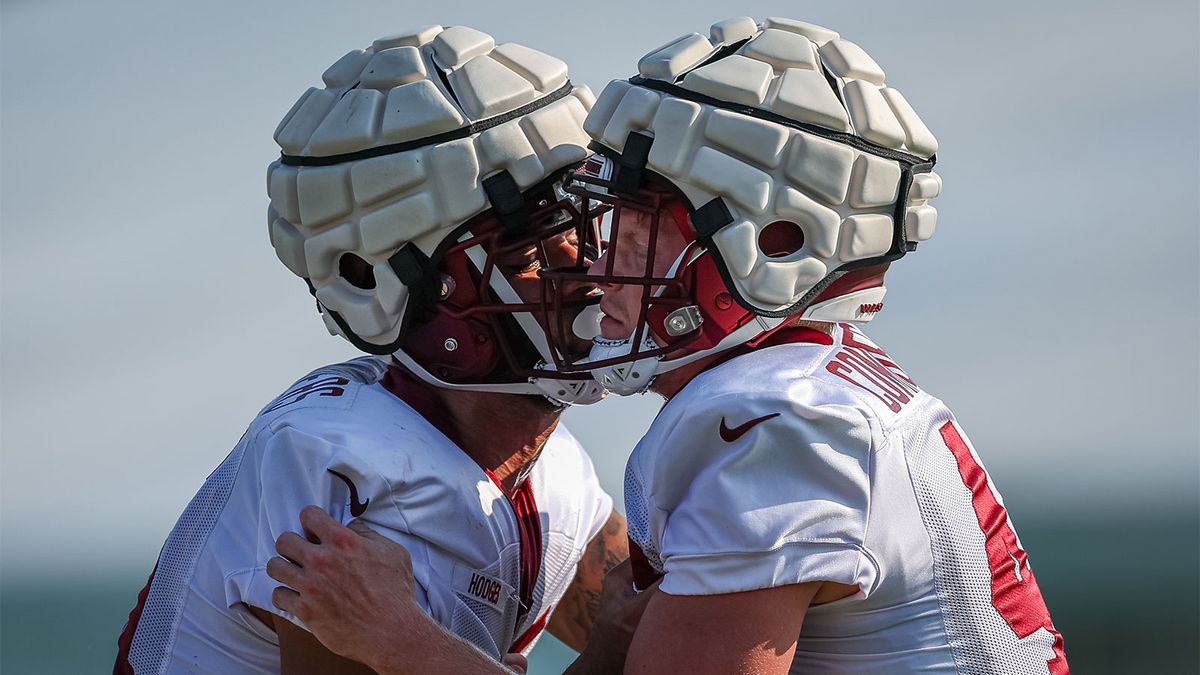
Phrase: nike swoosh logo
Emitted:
{"points": [[357, 508], [730, 435]]}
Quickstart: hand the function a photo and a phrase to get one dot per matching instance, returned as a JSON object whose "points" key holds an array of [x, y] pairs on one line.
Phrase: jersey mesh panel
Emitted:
{"points": [[468, 624], [556, 562], [637, 519], [982, 641], [152, 642], [481, 624]]}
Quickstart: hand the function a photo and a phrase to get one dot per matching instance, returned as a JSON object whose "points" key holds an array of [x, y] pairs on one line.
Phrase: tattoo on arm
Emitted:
{"points": [[572, 620]]}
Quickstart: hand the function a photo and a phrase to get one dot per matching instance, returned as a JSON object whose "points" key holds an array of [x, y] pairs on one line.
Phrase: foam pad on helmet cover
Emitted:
{"points": [[341, 188], [828, 152]]}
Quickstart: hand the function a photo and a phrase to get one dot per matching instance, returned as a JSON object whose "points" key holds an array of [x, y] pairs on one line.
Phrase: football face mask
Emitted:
{"points": [[486, 315], [654, 273]]}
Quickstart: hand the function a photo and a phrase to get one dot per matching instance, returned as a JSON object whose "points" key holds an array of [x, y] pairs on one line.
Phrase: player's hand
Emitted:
{"points": [[516, 662], [352, 587], [621, 609]]}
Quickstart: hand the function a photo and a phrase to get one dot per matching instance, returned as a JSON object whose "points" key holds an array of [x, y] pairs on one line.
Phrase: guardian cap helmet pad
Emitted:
{"points": [[420, 153], [800, 174]]}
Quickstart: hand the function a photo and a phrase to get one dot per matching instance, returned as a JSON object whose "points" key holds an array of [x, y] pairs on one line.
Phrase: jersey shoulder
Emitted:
{"points": [[333, 387], [345, 403], [341, 423]]}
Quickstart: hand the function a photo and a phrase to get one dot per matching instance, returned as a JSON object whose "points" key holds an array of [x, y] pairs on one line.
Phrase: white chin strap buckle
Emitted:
{"points": [[631, 377], [568, 392]]}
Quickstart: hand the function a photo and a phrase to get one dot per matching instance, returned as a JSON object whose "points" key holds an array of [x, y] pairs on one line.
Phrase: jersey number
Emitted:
{"points": [[1015, 592]]}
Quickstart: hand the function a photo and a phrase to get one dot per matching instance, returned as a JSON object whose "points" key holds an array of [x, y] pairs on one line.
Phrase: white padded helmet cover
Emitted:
{"points": [[401, 89], [843, 198]]}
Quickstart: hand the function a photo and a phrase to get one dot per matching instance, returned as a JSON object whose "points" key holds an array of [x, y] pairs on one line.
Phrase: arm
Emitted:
{"points": [[748, 632], [575, 615], [301, 654], [354, 590]]}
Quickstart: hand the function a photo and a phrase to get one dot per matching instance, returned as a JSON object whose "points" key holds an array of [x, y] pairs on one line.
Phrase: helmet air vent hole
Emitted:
{"points": [[357, 271], [781, 239]]}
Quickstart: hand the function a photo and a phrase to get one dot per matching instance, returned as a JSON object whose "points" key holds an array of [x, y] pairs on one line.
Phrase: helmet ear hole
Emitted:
{"points": [[781, 239], [357, 271]]}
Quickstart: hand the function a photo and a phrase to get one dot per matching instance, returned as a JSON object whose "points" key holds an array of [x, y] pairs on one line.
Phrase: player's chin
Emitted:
{"points": [[612, 328]]}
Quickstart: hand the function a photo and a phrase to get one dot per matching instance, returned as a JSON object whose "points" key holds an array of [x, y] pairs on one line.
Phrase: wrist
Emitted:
{"points": [[400, 648]]}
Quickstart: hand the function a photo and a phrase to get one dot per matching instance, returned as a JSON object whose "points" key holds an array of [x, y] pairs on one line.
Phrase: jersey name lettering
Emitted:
{"points": [[484, 588], [869, 368]]}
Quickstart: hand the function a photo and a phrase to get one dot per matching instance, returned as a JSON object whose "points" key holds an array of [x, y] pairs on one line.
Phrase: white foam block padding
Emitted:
{"points": [[740, 240], [340, 297], [417, 110], [371, 207], [777, 281], [413, 38], [820, 167], [917, 137], [289, 246], [782, 50], [604, 107], [925, 186], [872, 116], [675, 129], [920, 222], [545, 72], [729, 31], [554, 133], [458, 44], [758, 141], [813, 32], [819, 224], [848, 60], [346, 69], [724, 175], [668, 61], [865, 235], [300, 122], [379, 177], [507, 147], [486, 88], [633, 112], [393, 67], [350, 125], [805, 96], [584, 94], [281, 188], [379, 231], [323, 194], [773, 282], [735, 78], [322, 250], [874, 181], [455, 169]]}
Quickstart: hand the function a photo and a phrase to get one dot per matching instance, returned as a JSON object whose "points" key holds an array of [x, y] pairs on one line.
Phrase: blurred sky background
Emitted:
{"points": [[144, 318]]}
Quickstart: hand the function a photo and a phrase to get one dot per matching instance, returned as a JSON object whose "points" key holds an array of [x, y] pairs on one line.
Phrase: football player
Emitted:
{"points": [[417, 193], [803, 503]]}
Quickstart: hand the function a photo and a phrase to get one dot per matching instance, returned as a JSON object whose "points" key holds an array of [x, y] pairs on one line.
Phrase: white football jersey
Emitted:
{"points": [[820, 460], [488, 568]]}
